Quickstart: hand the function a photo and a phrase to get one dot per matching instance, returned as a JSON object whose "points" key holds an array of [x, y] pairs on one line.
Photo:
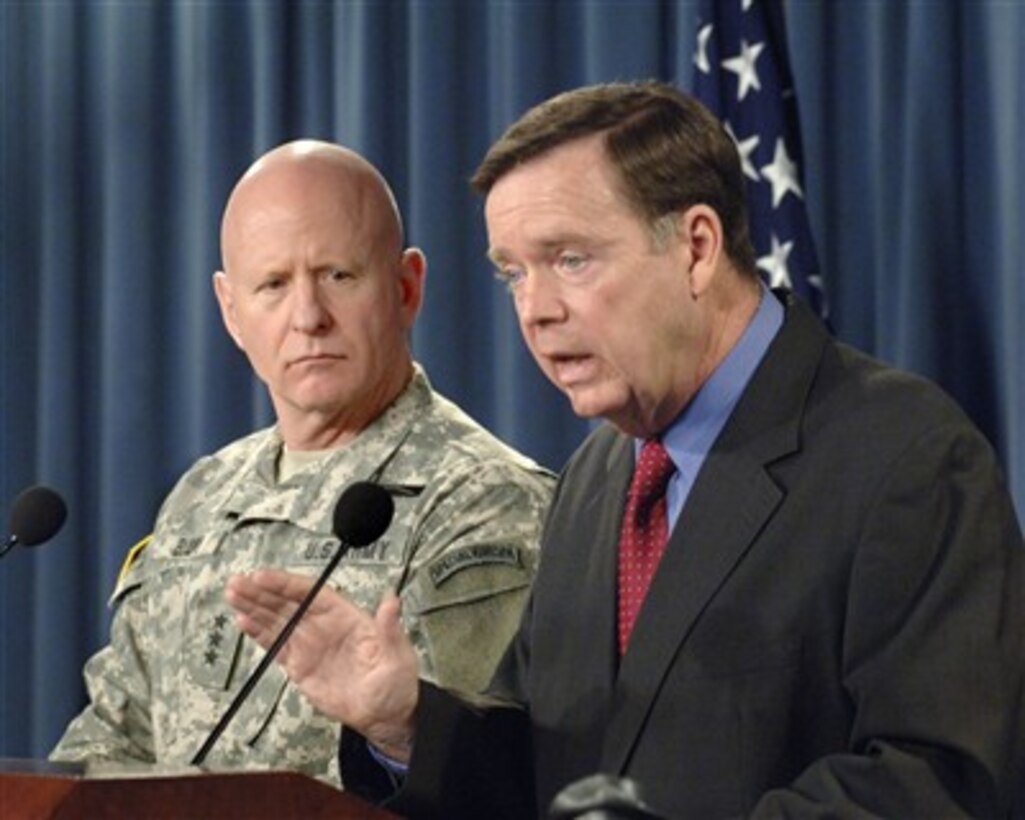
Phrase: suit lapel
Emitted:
{"points": [[731, 502], [701, 553], [574, 609], [600, 532]]}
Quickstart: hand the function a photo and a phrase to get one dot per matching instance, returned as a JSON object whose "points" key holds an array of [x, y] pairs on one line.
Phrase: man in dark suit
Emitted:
{"points": [[785, 580]]}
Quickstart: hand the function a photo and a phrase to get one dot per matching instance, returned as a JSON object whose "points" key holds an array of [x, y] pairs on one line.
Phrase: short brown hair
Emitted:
{"points": [[671, 152]]}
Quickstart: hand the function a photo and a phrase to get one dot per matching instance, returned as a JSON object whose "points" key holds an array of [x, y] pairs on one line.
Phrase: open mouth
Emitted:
{"points": [[570, 369]]}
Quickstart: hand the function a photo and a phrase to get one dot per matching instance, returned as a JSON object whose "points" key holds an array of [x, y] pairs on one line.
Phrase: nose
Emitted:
{"points": [[309, 312], [538, 299]]}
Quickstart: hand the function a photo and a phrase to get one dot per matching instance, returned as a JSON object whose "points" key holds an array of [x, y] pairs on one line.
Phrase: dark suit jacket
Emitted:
{"points": [[837, 623]]}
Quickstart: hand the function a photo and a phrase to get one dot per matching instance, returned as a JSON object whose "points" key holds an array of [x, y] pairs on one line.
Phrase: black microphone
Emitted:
{"points": [[37, 514], [602, 797], [361, 516]]}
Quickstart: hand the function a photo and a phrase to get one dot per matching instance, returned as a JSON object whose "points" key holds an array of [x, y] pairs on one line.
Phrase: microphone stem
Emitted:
{"points": [[12, 542], [268, 658]]}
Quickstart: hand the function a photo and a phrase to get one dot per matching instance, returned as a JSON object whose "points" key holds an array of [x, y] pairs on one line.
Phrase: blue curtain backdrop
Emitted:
{"points": [[124, 125]]}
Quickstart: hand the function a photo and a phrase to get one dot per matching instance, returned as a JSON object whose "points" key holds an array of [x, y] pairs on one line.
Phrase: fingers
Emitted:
{"points": [[354, 666], [392, 635], [389, 619], [271, 586], [264, 601], [390, 607]]}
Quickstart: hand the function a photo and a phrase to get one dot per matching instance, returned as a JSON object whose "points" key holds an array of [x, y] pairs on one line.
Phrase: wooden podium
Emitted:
{"points": [[32, 789]]}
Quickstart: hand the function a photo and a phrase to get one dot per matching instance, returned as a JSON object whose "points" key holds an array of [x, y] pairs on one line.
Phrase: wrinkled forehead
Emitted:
{"points": [[573, 187], [581, 164]]}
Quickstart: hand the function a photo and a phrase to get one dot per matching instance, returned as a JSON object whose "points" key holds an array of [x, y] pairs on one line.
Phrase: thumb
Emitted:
{"points": [[389, 618]]}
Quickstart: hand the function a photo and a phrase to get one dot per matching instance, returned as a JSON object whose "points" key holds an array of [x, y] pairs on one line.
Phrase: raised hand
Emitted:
{"points": [[356, 667]]}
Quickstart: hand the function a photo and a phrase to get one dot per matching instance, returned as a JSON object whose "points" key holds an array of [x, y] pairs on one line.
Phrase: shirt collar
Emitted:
{"points": [[692, 434]]}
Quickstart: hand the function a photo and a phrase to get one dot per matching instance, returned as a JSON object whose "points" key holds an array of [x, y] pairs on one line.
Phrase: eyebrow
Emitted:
{"points": [[498, 255], [495, 255]]}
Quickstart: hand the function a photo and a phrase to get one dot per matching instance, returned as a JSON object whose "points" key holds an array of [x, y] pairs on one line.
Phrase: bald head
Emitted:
{"points": [[314, 174], [317, 289]]}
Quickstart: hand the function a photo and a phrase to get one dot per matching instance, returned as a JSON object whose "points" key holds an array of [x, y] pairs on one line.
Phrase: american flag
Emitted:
{"points": [[742, 73]]}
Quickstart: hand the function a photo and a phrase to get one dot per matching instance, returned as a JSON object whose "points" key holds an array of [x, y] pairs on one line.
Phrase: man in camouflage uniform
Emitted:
{"points": [[320, 294]]}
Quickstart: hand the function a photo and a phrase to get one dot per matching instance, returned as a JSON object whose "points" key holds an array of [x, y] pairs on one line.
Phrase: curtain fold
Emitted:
{"points": [[124, 125]]}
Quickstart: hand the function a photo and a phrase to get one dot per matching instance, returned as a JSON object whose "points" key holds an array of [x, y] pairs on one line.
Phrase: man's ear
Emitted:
{"points": [[226, 300], [412, 275], [701, 231]]}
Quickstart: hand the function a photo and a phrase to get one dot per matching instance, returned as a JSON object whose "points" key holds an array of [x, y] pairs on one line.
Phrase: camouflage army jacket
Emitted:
{"points": [[463, 542]]}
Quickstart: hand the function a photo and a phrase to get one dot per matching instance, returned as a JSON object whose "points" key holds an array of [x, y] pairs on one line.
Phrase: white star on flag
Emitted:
{"points": [[745, 148], [775, 263], [751, 90], [743, 65], [701, 55], [782, 173]]}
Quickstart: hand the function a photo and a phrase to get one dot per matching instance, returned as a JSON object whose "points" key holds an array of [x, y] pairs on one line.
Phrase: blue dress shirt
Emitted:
{"points": [[691, 435]]}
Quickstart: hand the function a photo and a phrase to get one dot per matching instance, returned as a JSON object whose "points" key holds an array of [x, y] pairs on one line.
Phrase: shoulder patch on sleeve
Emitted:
{"points": [[123, 585], [443, 568]]}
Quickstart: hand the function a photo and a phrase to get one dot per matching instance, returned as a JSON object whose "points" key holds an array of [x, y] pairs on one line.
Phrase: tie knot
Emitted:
{"points": [[653, 471]]}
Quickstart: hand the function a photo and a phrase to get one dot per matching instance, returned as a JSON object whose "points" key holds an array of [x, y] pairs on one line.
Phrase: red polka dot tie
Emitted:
{"points": [[645, 532]]}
